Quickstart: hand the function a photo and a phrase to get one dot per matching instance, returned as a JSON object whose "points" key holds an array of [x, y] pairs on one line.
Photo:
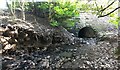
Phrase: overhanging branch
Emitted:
{"points": [[108, 6], [109, 12]]}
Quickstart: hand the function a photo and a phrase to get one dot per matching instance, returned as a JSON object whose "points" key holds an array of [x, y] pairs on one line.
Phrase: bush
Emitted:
{"points": [[62, 12], [58, 13]]}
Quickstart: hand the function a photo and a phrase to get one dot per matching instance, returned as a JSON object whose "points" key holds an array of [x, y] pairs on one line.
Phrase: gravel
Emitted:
{"points": [[68, 56]]}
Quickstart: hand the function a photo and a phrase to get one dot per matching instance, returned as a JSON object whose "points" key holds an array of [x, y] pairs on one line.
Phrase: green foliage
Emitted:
{"points": [[43, 6], [37, 5], [84, 7], [58, 12], [61, 12], [96, 9], [70, 21], [115, 22], [54, 23], [115, 19], [29, 6]]}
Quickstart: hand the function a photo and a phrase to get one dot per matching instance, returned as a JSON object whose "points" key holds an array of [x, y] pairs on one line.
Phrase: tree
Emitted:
{"points": [[102, 10]]}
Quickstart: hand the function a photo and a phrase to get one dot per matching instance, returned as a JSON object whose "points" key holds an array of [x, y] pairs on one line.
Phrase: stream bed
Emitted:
{"points": [[80, 53]]}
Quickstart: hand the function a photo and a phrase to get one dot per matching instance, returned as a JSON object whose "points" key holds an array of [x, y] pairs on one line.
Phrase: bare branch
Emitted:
{"points": [[12, 12], [109, 12], [108, 6]]}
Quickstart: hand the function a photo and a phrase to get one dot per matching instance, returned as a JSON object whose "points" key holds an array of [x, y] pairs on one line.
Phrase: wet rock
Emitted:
{"points": [[66, 54], [26, 64], [44, 63], [27, 57]]}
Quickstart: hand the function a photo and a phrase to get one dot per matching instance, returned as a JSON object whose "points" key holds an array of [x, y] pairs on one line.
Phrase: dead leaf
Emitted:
{"points": [[2, 29], [7, 47], [2, 40], [5, 43], [13, 46]]}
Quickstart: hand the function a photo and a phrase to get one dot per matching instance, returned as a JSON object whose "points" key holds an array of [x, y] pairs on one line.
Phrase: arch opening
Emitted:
{"points": [[87, 32]]}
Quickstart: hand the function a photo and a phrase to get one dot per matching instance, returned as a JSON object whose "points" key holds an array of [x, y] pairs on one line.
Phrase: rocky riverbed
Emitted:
{"points": [[47, 47], [64, 56]]}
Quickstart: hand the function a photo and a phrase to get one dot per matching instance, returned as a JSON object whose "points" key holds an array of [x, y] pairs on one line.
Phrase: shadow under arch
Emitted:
{"points": [[87, 32]]}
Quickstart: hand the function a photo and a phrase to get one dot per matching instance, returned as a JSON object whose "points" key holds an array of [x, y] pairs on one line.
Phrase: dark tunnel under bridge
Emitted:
{"points": [[87, 32]]}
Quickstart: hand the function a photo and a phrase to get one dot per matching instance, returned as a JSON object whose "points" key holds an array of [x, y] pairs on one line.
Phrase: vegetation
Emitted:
{"points": [[58, 12], [61, 13]]}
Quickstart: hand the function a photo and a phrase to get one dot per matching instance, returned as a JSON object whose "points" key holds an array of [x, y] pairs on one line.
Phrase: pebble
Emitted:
{"points": [[58, 59], [45, 63]]}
